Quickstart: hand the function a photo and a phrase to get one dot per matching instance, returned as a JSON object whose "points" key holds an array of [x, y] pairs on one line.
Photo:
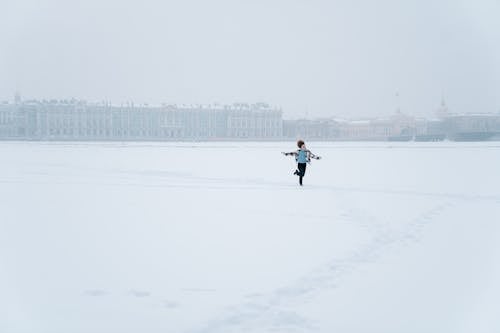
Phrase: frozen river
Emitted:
{"points": [[219, 238]]}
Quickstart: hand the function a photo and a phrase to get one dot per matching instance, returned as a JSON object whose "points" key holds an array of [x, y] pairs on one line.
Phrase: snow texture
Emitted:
{"points": [[219, 238]]}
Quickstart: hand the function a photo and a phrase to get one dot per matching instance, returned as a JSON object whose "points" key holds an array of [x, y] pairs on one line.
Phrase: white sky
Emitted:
{"points": [[330, 58]]}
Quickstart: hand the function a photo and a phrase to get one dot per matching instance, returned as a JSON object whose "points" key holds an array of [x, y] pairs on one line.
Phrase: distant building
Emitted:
{"points": [[442, 111], [9, 122], [472, 127], [78, 120], [320, 129], [464, 127]]}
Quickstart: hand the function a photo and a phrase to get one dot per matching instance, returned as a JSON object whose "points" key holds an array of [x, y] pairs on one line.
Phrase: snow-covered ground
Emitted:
{"points": [[219, 238]]}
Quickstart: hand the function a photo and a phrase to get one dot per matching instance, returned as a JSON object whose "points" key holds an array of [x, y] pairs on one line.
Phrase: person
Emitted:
{"points": [[302, 157]]}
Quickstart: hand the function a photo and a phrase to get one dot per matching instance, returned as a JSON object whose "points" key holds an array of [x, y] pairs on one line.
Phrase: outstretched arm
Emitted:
{"points": [[292, 153], [311, 155]]}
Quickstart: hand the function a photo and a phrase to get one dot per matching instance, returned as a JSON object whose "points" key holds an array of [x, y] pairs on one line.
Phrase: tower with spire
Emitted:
{"points": [[442, 111]]}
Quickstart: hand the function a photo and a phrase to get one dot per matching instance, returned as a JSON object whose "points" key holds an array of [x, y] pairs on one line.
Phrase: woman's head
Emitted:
{"points": [[301, 143]]}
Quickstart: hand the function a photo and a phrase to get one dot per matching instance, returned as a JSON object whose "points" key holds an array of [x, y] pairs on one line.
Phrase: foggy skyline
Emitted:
{"points": [[340, 58]]}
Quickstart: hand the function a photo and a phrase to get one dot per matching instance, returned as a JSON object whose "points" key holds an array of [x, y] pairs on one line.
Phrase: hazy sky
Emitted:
{"points": [[330, 58]]}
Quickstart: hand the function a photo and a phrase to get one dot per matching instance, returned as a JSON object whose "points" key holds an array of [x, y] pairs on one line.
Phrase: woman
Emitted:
{"points": [[302, 156]]}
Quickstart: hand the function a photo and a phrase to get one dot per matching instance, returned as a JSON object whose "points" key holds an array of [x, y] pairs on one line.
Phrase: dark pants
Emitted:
{"points": [[302, 171]]}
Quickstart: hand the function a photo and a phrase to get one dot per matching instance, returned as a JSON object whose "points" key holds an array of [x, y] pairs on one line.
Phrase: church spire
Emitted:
{"points": [[442, 111]]}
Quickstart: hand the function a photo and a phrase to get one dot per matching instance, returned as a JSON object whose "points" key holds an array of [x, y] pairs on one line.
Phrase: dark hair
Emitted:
{"points": [[300, 143]]}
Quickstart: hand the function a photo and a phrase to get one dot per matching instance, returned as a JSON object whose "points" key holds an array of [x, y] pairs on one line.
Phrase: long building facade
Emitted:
{"points": [[76, 120], [79, 121], [400, 127]]}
